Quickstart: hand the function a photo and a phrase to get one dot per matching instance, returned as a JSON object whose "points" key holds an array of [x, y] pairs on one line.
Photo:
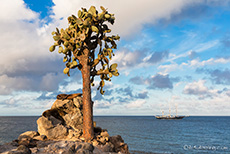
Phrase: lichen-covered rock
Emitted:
{"points": [[108, 147], [28, 134], [104, 134], [78, 102], [65, 104], [44, 124], [40, 138], [61, 125], [74, 134], [74, 119], [58, 132], [119, 144], [70, 111], [64, 147]]}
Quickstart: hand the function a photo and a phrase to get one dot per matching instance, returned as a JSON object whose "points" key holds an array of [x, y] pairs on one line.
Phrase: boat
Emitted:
{"points": [[169, 117]]}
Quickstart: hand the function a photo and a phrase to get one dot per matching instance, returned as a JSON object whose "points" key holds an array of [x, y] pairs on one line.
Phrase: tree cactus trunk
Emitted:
{"points": [[88, 130]]}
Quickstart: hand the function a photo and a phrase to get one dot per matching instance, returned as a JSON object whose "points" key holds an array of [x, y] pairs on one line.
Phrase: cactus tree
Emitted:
{"points": [[86, 46]]}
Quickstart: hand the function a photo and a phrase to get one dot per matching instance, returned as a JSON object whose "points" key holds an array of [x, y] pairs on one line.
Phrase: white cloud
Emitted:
{"points": [[51, 81], [198, 88], [130, 15], [9, 84], [25, 57], [168, 68], [211, 61], [127, 59], [102, 104], [195, 63], [192, 45], [13, 10], [136, 104]]}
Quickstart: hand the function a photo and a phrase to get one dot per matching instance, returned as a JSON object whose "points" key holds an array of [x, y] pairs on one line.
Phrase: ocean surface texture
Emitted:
{"points": [[146, 135]]}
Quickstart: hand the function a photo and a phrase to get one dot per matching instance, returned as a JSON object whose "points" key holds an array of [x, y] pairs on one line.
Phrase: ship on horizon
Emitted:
{"points": [[169, 116]]}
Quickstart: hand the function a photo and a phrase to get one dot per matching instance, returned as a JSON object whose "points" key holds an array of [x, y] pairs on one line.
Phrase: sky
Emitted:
{"points": [[171, 54]]}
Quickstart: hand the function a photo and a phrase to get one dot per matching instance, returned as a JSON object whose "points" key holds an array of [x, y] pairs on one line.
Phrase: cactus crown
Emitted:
{"points": [[88, 30]]}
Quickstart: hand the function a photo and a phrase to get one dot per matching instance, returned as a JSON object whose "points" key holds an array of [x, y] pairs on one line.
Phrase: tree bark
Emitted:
{"points": [[88, 130]]}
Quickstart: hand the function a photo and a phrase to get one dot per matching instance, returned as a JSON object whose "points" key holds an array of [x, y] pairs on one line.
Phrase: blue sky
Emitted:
{"points": [[171, 53]]}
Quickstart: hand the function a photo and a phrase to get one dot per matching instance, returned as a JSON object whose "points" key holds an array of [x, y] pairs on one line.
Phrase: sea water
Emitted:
{"points": [[145, 134]]}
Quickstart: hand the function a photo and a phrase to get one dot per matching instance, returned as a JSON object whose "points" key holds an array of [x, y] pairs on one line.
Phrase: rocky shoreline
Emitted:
{"points": [[60, 131]]}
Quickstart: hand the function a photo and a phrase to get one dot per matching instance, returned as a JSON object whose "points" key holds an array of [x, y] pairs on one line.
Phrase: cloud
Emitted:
{"points": [[128, 92], [211, 61], [194, 63], [98, 96], [226, 40], [192, 43], [137, 80], [17, 10], [102, 104], [125, 91], [121, 96], [217, 76], [135, 104], [158, 56], [127, 22], [142, 95], [48, 82], [192, 54], [196, 88], [47, 96], [158, 81], [20, 100], [199, 89], [127, 59], [26, 64]]}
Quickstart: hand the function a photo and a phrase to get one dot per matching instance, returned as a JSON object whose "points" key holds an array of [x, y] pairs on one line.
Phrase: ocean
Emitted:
{"points": [[147, 135]]}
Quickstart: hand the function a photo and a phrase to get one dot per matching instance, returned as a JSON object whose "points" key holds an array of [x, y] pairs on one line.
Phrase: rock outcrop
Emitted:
{"points": [[60, 131], [64, 120]]}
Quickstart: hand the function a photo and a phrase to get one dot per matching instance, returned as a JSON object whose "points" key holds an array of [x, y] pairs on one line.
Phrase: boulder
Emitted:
{"points": [[44, 124], [24, 149], [74, 119], [104, 134], [40, 138], [64, 119], [78, 102], [119, 144], [64, 147], [51, 128], [64, 104], [74, 134], [108, 147], [58, 132], [28, 134]]}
